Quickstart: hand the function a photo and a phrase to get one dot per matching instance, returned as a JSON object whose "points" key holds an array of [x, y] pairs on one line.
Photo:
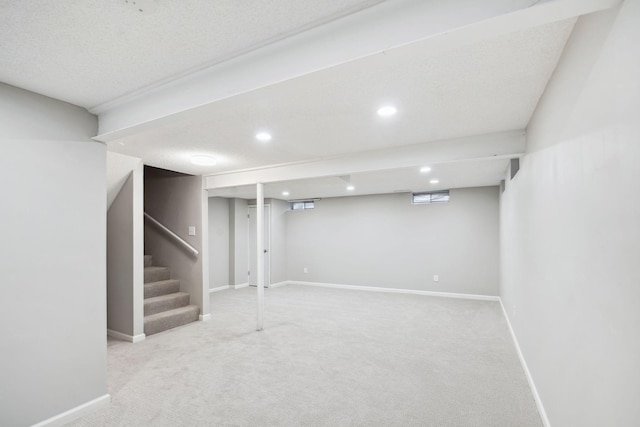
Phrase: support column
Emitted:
{"points": [[260, 252]]}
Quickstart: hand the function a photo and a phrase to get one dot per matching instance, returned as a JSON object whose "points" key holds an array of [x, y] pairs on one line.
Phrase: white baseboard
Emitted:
{"points": [[532, 385], [218, 289], [125, 337], [205, 317], [240, 286], [396, 290], [277, 285], [75, 413]]}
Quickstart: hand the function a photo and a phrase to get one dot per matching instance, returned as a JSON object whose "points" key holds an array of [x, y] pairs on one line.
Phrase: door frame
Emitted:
{"points": [[250, 250]]}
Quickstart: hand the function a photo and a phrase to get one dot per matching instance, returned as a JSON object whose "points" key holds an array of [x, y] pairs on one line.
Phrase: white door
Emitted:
{"points": [[253, 275]]}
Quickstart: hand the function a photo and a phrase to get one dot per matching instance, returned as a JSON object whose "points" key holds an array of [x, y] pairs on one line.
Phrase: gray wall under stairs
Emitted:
{"points": [[124, 258], [176, 200]]}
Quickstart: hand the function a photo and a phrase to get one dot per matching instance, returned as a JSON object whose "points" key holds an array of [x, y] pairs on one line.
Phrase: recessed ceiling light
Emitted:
{"points": [[285, 193], [387, 111], [434, 181], [263, 136], [203, 160], [425, 169], [351, 188]]}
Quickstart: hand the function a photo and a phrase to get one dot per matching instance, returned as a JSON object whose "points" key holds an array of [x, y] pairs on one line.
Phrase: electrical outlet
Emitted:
{"points": [[305, 270], [192, 230], [436, 278]]}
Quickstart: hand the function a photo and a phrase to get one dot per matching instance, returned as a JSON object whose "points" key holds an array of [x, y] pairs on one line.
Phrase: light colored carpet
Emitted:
{"points": [[327, 357]]}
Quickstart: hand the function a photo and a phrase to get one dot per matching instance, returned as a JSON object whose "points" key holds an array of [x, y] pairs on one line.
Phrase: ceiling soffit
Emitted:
{"points": [[377, 29]]}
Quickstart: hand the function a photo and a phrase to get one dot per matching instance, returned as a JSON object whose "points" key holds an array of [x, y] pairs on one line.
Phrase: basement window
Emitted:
{"points": [[430, 197], [306, 204]]}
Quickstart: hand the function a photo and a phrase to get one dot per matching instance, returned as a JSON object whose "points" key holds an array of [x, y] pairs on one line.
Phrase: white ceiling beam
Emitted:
{"points": [[504, 144], [388, 25]]}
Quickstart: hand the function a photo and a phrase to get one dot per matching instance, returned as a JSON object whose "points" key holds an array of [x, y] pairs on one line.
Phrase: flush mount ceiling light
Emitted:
{"points": [[425, 169], [350, 188], [434, 181], [263, 136], [387, 111], [203, 160], [285, 193]]}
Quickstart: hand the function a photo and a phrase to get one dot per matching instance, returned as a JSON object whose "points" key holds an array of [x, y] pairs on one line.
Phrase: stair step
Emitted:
{"points": [[165, 302], [159, 322], [147, 260], [161, 287], [155, 274]]}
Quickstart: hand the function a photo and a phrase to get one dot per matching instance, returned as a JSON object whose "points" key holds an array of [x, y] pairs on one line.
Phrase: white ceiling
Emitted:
{"points": [[481, 88], [88, 52], [478, 69]]}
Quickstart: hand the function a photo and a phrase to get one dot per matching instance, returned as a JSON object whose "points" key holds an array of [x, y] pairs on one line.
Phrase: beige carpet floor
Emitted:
{"points": [[327, 357]]}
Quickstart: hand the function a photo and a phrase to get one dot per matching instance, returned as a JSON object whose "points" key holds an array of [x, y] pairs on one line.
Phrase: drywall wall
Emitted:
{"points": [[278, 240], [53, 250], [218, 242], [28, 115], [385, 241], [176, 201], [570, 230], [120, 279], [119, 167], [125, 263], [238, 242]]}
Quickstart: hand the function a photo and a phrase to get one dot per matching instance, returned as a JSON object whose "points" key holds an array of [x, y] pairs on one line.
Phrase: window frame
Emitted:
{"points": [[431, 196], [306, 204]]}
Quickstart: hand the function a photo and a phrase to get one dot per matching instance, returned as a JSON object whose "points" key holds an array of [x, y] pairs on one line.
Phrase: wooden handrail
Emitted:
{"points": [[171, 233]]}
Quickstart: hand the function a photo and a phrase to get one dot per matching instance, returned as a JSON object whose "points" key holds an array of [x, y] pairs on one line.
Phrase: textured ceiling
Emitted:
{"points": [[485, 87], [88, 52]]}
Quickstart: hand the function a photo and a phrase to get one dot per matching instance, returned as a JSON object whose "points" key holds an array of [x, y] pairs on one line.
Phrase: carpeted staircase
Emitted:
{"points": [[165, 307]]}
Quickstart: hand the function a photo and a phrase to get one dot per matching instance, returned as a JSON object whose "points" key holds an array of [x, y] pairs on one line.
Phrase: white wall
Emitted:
{"points": [[125, 263], [119, 167], [26, 115], [385, 241], [278, 240], [570, 230], [53, 250], [238, 242], [218, 242]]}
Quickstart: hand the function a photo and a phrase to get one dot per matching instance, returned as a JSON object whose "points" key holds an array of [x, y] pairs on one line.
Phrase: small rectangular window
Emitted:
{"points": [[432, 197], [298, 206], [421, 198]]}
